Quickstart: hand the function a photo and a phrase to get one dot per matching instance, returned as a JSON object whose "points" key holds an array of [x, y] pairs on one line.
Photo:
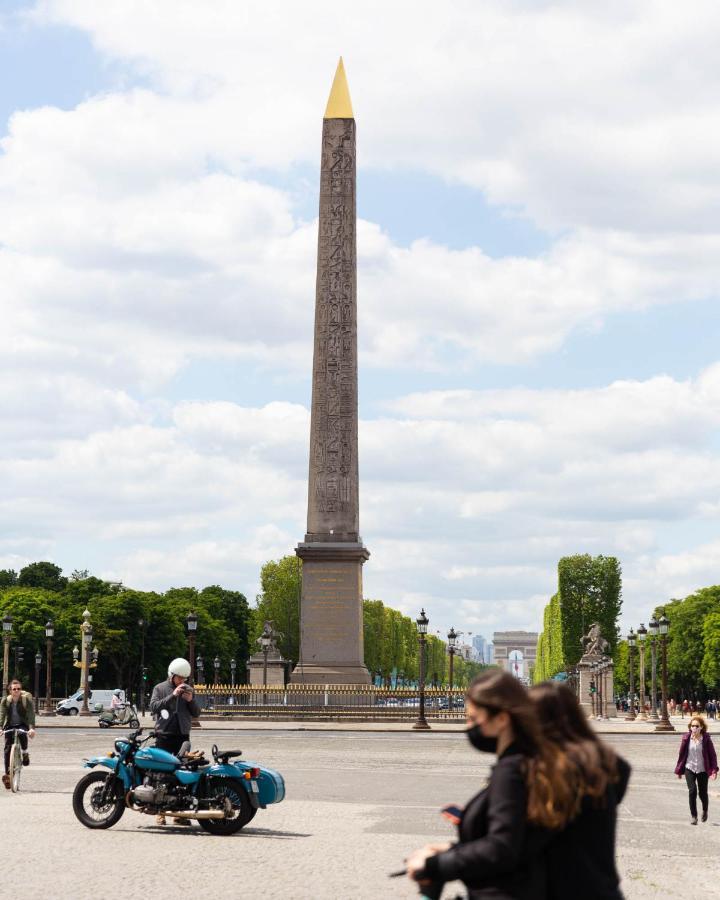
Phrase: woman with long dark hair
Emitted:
{"points": [[501, 830], [697, 761], [581, 857]]}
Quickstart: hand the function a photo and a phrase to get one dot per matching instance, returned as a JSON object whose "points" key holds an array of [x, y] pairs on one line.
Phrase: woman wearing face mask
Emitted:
{"points": [[581, 858], [698, 762], [502, 829]]}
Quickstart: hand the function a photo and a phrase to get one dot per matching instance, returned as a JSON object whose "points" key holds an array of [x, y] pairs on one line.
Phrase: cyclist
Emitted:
{"points": [[17, 710], [176, 698]]}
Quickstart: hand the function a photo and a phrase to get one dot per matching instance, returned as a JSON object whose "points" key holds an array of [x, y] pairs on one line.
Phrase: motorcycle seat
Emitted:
{"points": [[225, 755]]}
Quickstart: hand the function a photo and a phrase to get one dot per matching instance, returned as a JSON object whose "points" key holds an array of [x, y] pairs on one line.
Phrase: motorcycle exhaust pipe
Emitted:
{"points": [[200, 814]]}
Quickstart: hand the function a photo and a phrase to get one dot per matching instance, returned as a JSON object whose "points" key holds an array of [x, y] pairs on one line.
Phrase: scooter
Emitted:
{"points": [[126, 715], [222, 796]]}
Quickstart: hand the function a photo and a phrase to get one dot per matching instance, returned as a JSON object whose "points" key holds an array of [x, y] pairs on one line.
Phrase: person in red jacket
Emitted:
{"points": [[697, 761]]}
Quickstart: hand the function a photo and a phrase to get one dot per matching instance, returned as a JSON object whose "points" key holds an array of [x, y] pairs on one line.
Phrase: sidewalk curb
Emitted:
{"points": [[224, 723]]}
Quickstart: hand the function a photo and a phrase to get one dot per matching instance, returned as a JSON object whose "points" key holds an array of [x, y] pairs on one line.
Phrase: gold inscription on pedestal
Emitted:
{"points": [[331, 603]]}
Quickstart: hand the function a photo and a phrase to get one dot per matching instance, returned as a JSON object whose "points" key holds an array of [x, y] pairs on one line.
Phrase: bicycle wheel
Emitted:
{"points": [[15, 766]]}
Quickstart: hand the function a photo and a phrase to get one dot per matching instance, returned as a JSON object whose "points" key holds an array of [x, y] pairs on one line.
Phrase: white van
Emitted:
{"points": [[97, 702]]}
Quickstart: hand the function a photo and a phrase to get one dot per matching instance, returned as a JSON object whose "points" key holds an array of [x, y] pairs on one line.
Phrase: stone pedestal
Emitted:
{"points": [[591, 703], [276, 668], [331, 614], [585, 676]]}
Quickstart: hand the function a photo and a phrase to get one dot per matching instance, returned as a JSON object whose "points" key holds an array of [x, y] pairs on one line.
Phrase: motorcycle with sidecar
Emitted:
{"points": [[223, 796]]}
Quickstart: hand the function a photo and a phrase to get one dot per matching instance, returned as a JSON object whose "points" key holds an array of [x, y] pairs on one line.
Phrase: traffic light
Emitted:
{"points": [[19, 655], [593, 689], [144, 673]]}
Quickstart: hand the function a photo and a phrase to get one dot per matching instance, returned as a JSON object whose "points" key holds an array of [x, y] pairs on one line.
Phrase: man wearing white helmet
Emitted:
{"points": [[177, 697]]}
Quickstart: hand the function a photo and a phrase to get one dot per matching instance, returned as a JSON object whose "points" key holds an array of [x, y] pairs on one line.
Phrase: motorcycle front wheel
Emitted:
{"points": [[234, 795], [98, 800]]}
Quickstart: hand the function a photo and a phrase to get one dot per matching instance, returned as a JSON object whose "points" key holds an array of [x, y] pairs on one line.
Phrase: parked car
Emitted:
{"points": [[97, 701]]}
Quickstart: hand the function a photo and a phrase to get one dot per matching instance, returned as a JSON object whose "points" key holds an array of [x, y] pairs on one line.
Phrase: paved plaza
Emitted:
{"points": [[357, 802]]}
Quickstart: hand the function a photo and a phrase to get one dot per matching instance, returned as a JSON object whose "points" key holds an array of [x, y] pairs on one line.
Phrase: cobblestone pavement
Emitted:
{"points": [[357, 802]]}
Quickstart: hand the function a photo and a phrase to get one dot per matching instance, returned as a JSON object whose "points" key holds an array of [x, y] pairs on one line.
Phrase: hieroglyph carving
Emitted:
{"points": [[333, 484]]}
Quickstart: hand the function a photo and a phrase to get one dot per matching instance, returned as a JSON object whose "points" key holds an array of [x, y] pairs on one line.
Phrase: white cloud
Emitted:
{"points": [[579, 114], [141, 233]]}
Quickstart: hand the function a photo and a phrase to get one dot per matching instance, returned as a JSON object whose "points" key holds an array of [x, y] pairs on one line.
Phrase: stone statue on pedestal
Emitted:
{"points": [[595, 675]]}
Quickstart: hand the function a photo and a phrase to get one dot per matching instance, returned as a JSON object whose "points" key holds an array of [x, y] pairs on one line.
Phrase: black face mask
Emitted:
{"points": [[480, 741]]}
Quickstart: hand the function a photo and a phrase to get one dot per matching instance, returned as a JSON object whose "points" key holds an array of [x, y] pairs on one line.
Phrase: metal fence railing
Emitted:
{"points": [[329, 701]]}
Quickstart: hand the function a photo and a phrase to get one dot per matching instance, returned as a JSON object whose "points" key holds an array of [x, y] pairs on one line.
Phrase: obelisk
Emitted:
{"points": [[331, 613]]}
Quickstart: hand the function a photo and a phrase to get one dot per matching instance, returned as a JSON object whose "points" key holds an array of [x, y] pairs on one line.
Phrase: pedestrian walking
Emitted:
{"points": [[697, 761], [672, 705], [581, 857], [685, 708], [501, 830]]}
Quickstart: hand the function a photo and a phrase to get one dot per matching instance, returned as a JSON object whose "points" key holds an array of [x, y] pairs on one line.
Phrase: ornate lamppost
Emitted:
{"points": [[86, 631], [7, 632], [642, 634], [191, 623], [631, 639], [233, 667], [452, 641], [143, 674], [38, 663], [653, 629], [663, 628], [49, 634], [216, 680], [422, 624], [594, 690], [265, 641]]}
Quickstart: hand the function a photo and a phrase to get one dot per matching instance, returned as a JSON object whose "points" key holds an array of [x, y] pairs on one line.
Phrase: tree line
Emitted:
{"points": [[693, 649], [227, 628]]}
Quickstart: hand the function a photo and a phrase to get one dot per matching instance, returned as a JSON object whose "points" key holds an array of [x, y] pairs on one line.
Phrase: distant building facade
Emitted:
{"points": [[515, 651]]}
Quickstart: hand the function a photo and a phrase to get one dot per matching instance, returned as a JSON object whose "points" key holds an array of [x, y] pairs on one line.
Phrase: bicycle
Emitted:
{"points": [[16, 755]]}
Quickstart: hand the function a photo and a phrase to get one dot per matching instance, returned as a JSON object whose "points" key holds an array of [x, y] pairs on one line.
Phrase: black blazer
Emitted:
{"points": [[581, 858], [498, 855]]}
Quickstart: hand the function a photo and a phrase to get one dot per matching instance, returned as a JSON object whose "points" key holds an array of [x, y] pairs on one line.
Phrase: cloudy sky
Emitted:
{"points": [[539, 262]]}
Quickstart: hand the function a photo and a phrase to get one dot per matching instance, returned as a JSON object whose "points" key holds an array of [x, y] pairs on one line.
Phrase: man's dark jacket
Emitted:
{"points": [[181, 712]]}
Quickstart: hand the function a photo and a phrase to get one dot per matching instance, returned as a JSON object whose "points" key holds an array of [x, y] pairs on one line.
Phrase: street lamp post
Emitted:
{"points": [[49, 634], [663, 628], [87, 632], [452, 639], [216, 681], [422, 624], [191, 623], [642, 634], [7, 632], [38, 663], [631, 669], [265, 642], [233, 667], [141, 693], [653, 629]]}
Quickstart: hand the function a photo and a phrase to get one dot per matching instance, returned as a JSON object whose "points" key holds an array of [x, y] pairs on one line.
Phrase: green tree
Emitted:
{"points": [[279, 602], [710, 667], [8, 577], [42, 575], [686, 642]]}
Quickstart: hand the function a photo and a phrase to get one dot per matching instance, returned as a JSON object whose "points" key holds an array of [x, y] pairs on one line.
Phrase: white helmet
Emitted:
{"points": [[179, 667]]}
